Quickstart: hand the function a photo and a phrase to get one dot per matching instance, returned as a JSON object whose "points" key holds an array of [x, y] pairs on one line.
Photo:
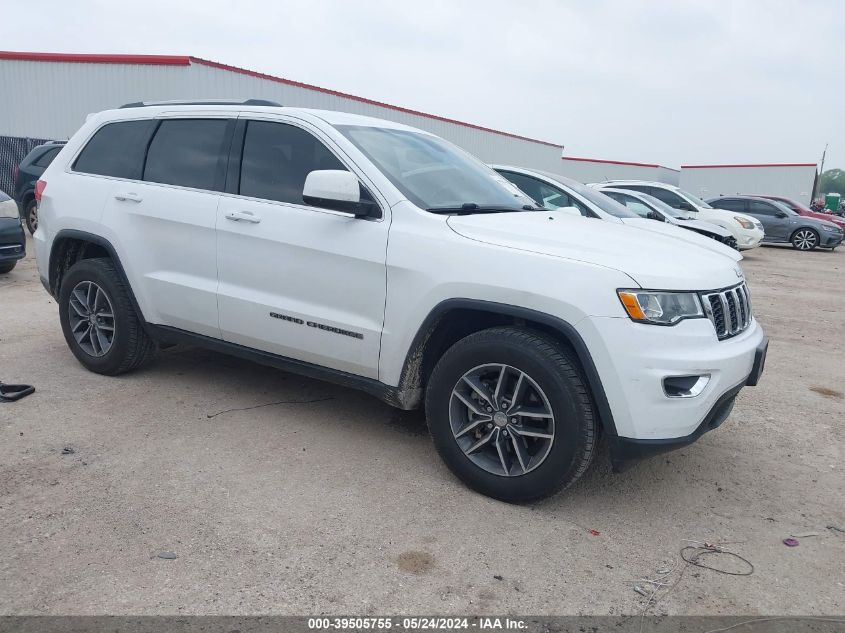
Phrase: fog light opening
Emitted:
{"points": [[685, 386]]}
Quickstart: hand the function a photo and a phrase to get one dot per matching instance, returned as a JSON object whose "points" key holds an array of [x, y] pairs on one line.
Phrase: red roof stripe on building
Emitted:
{"points": [[758, 165], [614, 162], [85, 58], [180, 60]]}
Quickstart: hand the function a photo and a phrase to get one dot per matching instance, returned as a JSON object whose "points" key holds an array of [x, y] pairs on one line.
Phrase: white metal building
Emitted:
{"points": [[595, 170], [791, 180], [48, 95]]}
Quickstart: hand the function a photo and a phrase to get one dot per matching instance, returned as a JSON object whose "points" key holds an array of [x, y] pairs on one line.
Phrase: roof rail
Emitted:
{"points": [[246, 102]]}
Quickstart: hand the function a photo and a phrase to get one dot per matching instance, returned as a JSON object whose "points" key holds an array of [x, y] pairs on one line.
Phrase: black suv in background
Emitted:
{"points": [[26, 175], [782, 224]]}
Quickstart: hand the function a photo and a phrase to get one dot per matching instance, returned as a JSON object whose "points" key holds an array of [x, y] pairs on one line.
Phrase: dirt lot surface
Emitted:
{"points": [[279, 494]]}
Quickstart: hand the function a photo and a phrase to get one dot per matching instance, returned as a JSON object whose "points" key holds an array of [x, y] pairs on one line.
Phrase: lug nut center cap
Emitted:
{"points": [[500, 419]]}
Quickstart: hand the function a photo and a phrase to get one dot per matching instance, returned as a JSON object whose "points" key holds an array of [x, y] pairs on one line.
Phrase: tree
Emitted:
{"points": [[832, 181]]}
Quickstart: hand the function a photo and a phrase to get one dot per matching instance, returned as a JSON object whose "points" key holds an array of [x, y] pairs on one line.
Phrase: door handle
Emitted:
{"points": [[243, 216], [128, 197]]}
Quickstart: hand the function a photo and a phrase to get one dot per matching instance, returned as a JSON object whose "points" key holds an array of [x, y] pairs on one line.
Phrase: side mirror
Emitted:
{"points": [[569, 210], [338, 190], [781, 215], [651, 215]]}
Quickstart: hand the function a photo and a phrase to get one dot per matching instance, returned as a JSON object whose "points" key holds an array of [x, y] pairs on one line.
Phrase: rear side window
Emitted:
{"points": [[117, 149], [277, 158], [729, 205], [188, 153], [761, 208], [46, 158]]}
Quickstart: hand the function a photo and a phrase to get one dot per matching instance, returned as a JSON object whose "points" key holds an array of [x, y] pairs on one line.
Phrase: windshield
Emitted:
{"points": [[694, 199], [433, 173], [603, 202], [665, 208]]}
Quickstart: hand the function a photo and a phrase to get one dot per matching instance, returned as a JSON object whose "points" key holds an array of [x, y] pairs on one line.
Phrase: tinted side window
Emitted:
{"points": [[46, 158], [188, 153], [761, 208], [277, 158], [669, 197], [117, 149], [729, 205]]}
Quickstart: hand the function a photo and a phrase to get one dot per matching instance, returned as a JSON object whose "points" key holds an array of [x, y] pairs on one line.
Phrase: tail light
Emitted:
{"points": [[40, 186]]}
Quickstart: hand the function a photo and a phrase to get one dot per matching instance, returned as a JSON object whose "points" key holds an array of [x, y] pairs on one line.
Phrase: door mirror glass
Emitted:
{"points": [[781, 214], [338, 190]]}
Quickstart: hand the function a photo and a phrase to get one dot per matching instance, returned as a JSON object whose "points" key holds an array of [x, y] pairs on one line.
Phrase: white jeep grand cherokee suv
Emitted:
{"points": [[383, 258]]}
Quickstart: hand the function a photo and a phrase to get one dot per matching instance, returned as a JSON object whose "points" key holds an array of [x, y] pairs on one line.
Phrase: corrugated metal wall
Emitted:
{"points": [[51, 100], [597, 171], [794, 182]]}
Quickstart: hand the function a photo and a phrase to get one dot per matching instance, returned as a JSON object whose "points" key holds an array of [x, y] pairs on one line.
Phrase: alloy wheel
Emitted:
{"points": [[501, 419], [32, 217], [804, 240], [91, 318]]}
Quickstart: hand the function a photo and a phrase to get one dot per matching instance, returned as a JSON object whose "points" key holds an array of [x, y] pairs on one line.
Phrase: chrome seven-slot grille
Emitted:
{"points": [[729, 310]]}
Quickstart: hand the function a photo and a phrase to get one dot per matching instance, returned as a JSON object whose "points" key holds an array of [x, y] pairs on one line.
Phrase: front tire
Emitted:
{"points": [[511, 415], [7, 268], [805, 240], [30, 216], [100, 325]]}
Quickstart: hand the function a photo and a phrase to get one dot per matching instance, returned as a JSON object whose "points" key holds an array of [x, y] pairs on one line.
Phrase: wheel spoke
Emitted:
{"points": [[502, 452], [500, 383], [480, 443], [468, 402], [472, 426], [102, 339], [531, 412], [519, 450], [81, 337], [480, 389], [89, 299], [531, 433], [77, 307], [79, 323], [517, 392]]}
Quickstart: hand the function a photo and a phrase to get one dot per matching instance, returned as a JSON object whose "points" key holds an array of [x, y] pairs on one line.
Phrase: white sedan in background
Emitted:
{"points": [[564, 194]]}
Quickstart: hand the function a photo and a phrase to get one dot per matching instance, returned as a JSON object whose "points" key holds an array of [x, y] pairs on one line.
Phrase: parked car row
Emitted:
{"points": [[382, 257]]}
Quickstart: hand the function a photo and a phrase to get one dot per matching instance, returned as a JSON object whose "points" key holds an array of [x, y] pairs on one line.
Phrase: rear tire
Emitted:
{"points": [[7, 268], [525, 457], [91, 291], [805, 240], [30, 216]]}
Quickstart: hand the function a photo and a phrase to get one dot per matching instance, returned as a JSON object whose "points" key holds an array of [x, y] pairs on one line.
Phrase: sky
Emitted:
{"points": [[658, 81]]}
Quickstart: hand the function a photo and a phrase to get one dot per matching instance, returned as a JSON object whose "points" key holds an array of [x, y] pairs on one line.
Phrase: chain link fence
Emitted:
{"points": [[12, 151]]}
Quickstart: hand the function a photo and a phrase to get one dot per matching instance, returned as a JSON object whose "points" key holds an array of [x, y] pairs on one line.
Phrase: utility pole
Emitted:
{"points": [[816, 191]]}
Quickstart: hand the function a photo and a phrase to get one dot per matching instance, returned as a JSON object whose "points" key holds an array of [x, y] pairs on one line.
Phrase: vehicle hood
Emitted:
{"points": [[704, 225], [689, 236], [825, 218], [649, 258]]}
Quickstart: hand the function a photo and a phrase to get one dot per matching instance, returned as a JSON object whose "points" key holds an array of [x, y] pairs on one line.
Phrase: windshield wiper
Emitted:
{"points": [[469, 208]]}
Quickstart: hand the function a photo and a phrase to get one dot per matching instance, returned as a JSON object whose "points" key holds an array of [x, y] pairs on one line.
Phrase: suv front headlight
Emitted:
{"points": [[744, 223], [660, 308], [8, 209]]}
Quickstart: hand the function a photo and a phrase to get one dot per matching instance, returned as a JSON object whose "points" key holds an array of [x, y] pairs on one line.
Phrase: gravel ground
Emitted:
{"points": [[279, 494]]}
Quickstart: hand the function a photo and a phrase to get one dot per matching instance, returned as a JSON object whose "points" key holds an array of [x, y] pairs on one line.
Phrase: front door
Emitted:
{"points": [[295, 280], [778, 228]]}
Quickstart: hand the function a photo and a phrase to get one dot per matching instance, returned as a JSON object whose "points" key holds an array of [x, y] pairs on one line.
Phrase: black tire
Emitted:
{"points": [[131, 346], [7, 268], [556, 373], [30, 216], [805, 239]]}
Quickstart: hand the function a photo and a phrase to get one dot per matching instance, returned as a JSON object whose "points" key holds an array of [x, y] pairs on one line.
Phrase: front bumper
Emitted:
{"points": [[626, 451], [829, 239], [749, 238], [12, 240], [633, 360]]}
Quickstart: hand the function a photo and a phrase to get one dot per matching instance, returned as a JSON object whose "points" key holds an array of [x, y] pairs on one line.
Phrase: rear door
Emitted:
{"points": [[165, 220], [777, 228], [295, 280]]}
